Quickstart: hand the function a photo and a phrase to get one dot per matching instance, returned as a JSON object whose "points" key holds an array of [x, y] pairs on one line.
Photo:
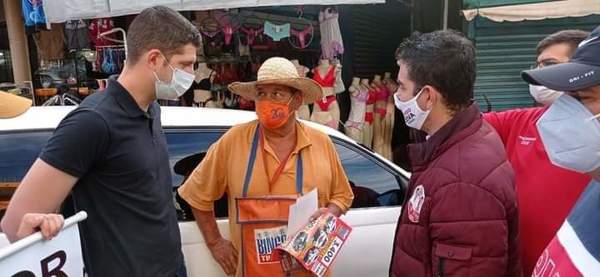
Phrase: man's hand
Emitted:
{"points": [[48, 224], [331, 208], [225, 254]]}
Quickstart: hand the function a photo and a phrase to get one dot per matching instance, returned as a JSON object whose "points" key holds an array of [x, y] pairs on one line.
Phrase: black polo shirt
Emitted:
{"points": [[119, 153]]}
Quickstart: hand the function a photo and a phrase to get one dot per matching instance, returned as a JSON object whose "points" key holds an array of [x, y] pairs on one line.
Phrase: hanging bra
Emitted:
{"points": [[209, 27], [328, 81], [251, 34], [325, 103], [301, 35], [228, 31], [206, 84], [277, 32]]}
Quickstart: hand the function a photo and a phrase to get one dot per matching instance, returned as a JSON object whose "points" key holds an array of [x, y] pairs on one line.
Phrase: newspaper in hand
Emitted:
{"points": [[315, 246]]}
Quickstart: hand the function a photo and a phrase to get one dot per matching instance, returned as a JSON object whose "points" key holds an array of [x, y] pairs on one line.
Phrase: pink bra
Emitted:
{"points": [[382, 94], [362, 96]]}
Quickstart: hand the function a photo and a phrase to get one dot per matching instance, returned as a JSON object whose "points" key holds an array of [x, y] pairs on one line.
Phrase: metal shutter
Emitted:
{"points": [[505, 49]]}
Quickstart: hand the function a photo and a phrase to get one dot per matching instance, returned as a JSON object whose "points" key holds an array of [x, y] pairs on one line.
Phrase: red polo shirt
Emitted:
{"points": [[546, 193]]}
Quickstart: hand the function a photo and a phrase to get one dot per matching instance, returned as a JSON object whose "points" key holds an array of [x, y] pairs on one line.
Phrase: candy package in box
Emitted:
{"points": [[315, 246]]}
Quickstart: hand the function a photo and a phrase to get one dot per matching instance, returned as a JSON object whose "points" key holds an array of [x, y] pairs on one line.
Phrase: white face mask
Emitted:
{"points": [[181, 81], [544, 95], [414, 116], [571, 135]]}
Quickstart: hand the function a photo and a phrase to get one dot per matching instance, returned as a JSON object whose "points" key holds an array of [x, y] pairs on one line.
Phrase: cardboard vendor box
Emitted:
{"points": [[315, 246]]}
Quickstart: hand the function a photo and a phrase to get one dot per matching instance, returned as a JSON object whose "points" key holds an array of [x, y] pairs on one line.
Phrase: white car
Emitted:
{"points": [[378, 184]]}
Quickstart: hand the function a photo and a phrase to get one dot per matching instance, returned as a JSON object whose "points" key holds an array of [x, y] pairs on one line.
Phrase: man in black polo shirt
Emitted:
{"points": [[111, 155]]}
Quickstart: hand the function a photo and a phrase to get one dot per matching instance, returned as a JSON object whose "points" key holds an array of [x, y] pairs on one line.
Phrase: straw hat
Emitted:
{"points": [[279, 71], [12, 105]]}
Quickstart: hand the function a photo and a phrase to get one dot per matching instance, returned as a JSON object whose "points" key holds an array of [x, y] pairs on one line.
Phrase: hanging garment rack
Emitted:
{"points": [[112, 31], [111, 46]]}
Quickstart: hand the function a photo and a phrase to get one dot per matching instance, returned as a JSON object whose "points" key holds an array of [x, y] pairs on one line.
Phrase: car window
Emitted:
{"points": [[185, 143], [18, 151], [373, 183]]}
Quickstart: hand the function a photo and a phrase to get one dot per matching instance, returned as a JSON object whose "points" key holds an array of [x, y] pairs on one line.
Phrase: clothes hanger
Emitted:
{"points": [[252, 21], [296, 33], [210, 26], [112, 31]]}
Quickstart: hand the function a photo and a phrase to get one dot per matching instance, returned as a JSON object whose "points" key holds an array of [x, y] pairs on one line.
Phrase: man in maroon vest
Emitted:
{"points": [[460, 217]]}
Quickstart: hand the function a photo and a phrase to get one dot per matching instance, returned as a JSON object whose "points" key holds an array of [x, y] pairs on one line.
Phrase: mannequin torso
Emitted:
{"points": [[326, 111]]}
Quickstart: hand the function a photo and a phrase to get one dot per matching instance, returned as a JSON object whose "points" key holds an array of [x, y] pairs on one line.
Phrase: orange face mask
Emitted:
{"points": [[272, 115]]}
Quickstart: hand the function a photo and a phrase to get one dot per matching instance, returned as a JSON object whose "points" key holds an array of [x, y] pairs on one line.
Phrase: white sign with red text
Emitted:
{"points": [[33, 256]]}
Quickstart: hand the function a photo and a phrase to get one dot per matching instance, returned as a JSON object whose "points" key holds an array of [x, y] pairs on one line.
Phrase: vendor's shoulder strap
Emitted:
{"points": [[252, 159]]}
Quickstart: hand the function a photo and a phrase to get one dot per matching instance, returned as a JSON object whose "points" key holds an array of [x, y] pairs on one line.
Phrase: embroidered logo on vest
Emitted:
{"points": [[416, 203]]}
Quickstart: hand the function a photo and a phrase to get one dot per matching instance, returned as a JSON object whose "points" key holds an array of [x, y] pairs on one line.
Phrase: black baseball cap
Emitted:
{"points": [[582, 71]]}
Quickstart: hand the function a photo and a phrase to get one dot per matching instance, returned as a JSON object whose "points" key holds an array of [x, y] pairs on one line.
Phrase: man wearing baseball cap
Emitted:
{"points": [[261, 165], [570, 131]]}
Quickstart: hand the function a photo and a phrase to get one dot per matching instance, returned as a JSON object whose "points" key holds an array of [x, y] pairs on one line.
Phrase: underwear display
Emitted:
{"points": [[302, 35], [251, 34], [331, 36], [358, 108], [381, 111], [354, 124], [371, 101], [328, 81], [372, 97], [209, 27], [277, 32], [382, 94], [369, 117], [325, 118], [99, 26], [206, 84], [228, 31], [339, 86], [326, 102]]}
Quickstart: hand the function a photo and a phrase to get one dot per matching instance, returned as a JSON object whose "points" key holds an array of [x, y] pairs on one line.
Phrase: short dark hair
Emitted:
{"points": [[444, 60], [160, 28], [570, 37]]}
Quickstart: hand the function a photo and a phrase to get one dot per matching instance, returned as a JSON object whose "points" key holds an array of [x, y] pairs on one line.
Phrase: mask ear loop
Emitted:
{"points": [[417, 99], [594, 117], [169, 64]]}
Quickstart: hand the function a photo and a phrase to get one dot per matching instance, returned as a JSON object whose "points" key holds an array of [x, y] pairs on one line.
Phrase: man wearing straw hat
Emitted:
{"points": [[275, 156]]}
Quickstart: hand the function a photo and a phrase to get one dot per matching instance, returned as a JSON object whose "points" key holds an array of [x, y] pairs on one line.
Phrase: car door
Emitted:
{"points": [[378, 193], [183, 144]]}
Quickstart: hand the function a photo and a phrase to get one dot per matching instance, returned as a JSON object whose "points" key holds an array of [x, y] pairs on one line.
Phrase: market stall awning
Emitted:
{"points": [[473, 4], [538, 11], [62, 10]]}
